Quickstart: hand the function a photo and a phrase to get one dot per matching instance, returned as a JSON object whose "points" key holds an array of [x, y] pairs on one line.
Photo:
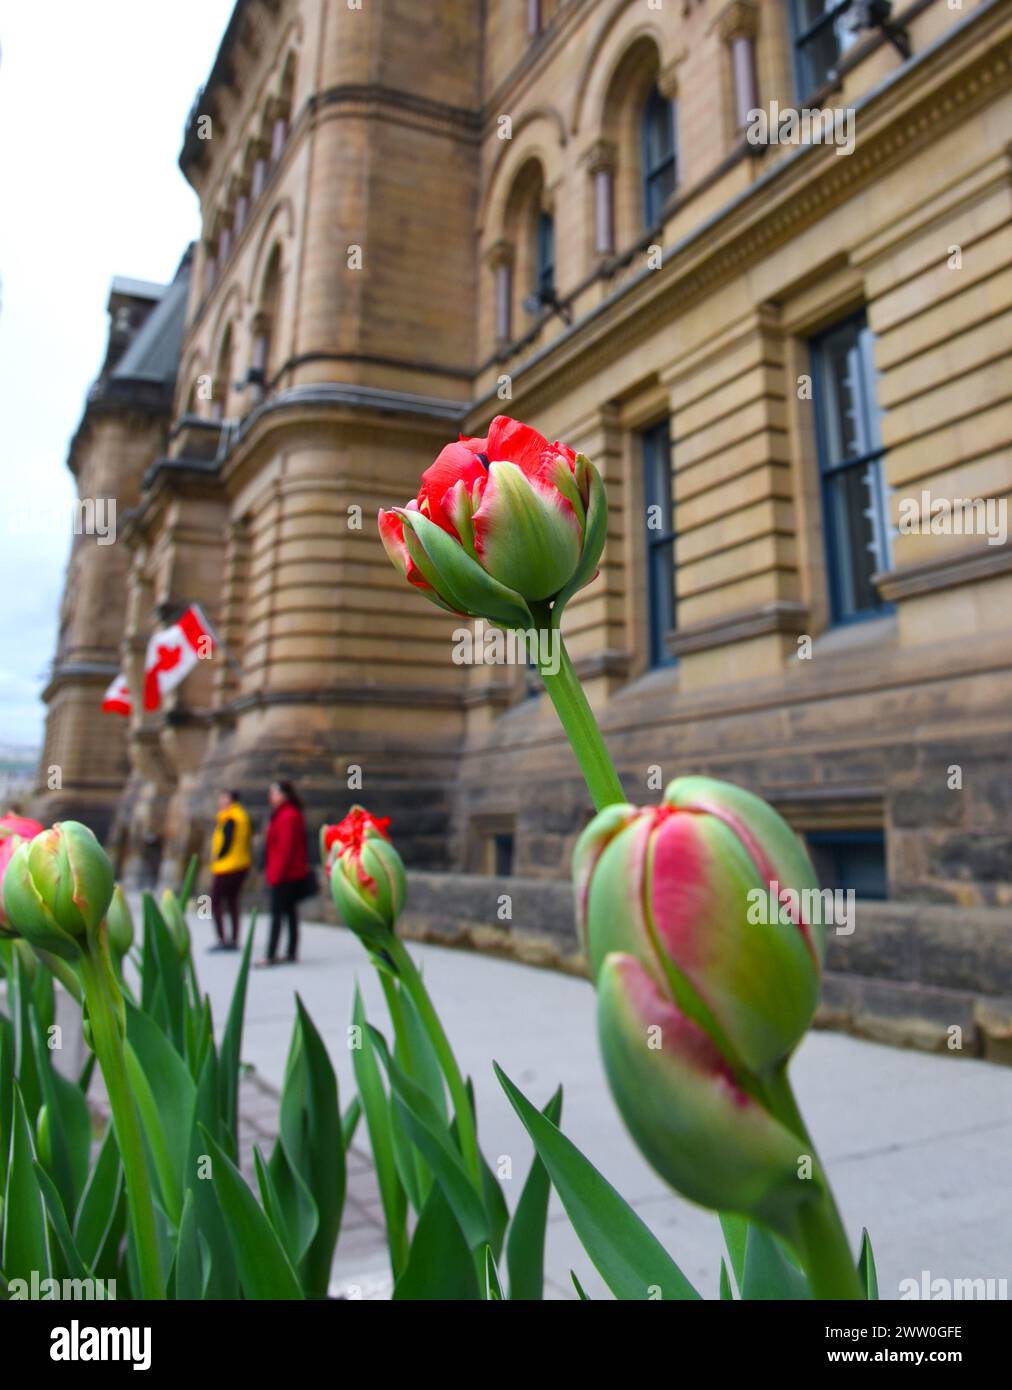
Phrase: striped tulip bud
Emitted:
{"points": [[500, 523], [699, 1005], [14, 831], [120, 924], [675, 886], [367, 881], [57, 888]]}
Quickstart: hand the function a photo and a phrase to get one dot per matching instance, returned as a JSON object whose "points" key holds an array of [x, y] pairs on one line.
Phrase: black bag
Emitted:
{"points": [[307, 887]]}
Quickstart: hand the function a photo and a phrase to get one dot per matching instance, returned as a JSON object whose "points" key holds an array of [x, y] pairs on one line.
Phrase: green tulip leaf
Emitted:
{"points": [[866, 1267], [379, 1123], [493, 1288], [25, 1244], [768, 1273], [525, 1248], [189, 1273], [95, 1223], [265, 1271], [626, 1254], [76, 1268], [231, 1046], [581, 1293], [440, 1263]]}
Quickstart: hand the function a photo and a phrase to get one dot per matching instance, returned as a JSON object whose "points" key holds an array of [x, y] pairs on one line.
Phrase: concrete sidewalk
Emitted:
{"points": [[917, 1145]]}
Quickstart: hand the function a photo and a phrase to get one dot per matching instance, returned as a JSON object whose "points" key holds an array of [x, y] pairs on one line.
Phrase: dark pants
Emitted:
{"points": [[225, 890], [284, 903]]}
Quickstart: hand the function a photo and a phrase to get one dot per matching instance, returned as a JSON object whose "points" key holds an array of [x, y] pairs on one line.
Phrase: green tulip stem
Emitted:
{"points": [[822, 1240], [415, 986], [108, 1042], [580, 726]]}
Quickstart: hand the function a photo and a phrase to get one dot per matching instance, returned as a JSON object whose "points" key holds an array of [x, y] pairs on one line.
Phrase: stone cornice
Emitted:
{"points": [[780, 616], [406, 696], [948, 571], [933, 92]]}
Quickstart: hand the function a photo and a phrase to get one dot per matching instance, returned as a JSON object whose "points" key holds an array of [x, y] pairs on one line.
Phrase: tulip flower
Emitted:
{"points": [[670, 886], [14, 831], [499, 524], [120, 923], [366, 874], [57, 888], [700, 1007]]}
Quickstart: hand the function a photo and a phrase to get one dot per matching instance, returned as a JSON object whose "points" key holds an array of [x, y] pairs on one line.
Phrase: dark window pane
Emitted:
{"points": [[854, 859], [660, 171], [855, 506], [546, 255], [660, 527], [503, 846], [822, 34]]}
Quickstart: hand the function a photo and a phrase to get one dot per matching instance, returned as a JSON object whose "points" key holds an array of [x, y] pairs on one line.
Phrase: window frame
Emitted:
{"points": [[544, 257], [830, 840], [799, 37], [830, 469], [654, 439], [651, 173]]}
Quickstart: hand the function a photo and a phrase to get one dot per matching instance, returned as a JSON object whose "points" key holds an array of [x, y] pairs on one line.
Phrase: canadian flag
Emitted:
{"points": [[116, 699], [172, 654]]}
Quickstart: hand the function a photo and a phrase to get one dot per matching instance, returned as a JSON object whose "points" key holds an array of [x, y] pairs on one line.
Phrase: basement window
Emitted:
{"points": [[851, 859]]}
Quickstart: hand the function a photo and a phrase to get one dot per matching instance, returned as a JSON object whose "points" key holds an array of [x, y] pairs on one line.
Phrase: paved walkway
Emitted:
{"points": [[917, 1146]]}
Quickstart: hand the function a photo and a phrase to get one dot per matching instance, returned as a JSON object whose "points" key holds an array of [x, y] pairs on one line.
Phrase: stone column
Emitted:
{"points": [[737, 25], [601, 168], [500, 260]]}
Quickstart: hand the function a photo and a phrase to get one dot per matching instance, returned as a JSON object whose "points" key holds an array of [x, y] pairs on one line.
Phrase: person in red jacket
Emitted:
{"points": [[286, 867]]}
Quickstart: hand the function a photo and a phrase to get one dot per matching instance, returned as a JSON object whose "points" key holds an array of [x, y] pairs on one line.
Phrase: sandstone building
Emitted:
{"points": [[416, 217]]}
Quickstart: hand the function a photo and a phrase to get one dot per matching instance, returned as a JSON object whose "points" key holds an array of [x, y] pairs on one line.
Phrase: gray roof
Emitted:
{"points": [[153, 353], [136, 289]]}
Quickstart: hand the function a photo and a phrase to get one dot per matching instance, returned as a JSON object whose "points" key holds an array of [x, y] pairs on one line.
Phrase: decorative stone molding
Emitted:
{"points": [[738, 20], [601, 157], [667, 78], [947, 572], [500, 253], [779, 616]]}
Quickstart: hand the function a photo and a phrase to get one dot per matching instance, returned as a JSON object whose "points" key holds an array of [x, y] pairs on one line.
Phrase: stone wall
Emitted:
{"points": [[908, 975]]}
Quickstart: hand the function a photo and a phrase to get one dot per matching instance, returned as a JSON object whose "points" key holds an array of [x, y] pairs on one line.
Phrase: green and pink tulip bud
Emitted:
{"points": [[367, 880], [14, 831], [57, 889], [501, 523], [699, 1008]]}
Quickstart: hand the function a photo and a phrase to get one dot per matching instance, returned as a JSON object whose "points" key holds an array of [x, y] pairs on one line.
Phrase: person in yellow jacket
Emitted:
{"points": [[230, 862]]}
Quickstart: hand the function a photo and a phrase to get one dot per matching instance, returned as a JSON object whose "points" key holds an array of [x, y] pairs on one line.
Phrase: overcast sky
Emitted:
{"points": [[93, 97]]}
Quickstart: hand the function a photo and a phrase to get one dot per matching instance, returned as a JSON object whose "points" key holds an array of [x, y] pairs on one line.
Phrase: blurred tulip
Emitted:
{"points": [[175, 919], [57, 888], [367, 880], [120, 923]]}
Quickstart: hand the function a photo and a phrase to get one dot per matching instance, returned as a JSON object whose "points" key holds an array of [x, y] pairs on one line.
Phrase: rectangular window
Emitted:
{"points": [[854, 495], [853, 859], [822, 34], [660, 533]]}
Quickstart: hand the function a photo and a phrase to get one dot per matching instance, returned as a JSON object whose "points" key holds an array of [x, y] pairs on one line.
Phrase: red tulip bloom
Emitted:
{"points": [[500, 523]]}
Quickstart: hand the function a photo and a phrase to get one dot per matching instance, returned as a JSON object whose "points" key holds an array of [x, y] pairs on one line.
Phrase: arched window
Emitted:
{"points": [[660, 166], [262, 363]]}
